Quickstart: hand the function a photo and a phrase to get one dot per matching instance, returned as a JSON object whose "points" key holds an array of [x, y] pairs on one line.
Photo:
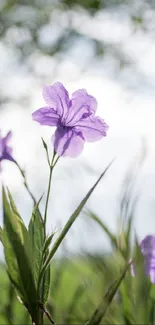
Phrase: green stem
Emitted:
{"points": [[28, 189], [56, 160], [47, 314], [48, 192], [45, 219], [25, 184]]}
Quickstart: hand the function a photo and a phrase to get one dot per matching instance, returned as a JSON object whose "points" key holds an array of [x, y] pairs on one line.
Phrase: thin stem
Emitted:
{"points": [[28, 189], [25, 183], [56, 160], [48, 191], [47, 313], [52, 165]]}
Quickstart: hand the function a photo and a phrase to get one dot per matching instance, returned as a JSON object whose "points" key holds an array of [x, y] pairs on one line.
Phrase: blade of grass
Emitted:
{"points": [[100, 311], [103, 226]]}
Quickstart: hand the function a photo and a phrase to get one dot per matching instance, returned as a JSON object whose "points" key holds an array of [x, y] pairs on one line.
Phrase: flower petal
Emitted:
{"points": [[5, 150], [152, 275], [82, 104], [46, 116], [1, 146], [148, 250], [56, 96], [67, 142], [92, 128], [147, 246], [3, 142], [7, 137], [8, 154]]}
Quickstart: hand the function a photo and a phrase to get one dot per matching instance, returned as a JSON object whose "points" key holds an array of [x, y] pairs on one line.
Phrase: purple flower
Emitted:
{"points": [[5, 150], [147, 247], [74, 119]]}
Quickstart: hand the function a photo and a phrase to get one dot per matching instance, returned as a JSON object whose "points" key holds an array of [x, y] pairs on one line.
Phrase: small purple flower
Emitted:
{"points": [[74, 119], [147, 247], [5, 150]]}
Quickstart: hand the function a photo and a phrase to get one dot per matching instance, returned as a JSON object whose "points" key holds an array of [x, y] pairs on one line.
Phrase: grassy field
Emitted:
{"points": [[77, 286]]}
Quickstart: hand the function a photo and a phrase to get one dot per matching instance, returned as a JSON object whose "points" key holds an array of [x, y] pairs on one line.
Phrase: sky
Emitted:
{"points": [[126, 102]]}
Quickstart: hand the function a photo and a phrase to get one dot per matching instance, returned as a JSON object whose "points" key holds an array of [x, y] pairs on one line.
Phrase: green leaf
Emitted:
{"points": [[20, 226], [12, 266], [44, 144], [36, 235], [46, 285], [47, 243], [1, 234], [127, 301], [127, 234], [46, 149], [142, 287], [39, 251], [101, 310], [12, 204], [129, 229], [18, 256], [103, 226], [47, 275]]}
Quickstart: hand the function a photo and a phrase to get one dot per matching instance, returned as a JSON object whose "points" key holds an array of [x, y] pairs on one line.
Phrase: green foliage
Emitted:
{"points": [[36, 235], [91, 5], [47, 275], [47, 243], [18, 255], [1, 234], [103, 227], [91, 289], [46, 281], [100, 311], [77, 286]]}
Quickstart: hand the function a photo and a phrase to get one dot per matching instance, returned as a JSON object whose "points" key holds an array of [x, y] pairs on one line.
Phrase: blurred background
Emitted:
{"points": [[107, 47]]}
